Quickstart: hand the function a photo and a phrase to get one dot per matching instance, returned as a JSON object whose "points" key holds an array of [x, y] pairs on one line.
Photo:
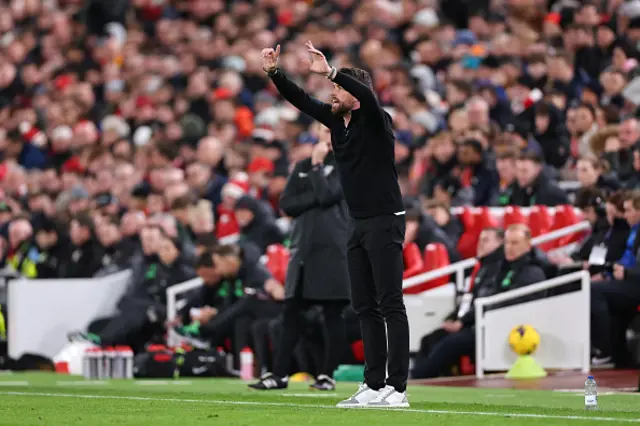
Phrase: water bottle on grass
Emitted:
{"points": [[590, 394]]}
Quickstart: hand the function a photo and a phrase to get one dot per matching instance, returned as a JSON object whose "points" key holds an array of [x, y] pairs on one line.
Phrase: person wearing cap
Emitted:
{"points": [[52, 248], [313, 198], [363, 141], [85, 256]]}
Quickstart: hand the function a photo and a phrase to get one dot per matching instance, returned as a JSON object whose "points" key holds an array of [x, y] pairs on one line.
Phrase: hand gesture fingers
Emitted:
{"points": [[313, 50]]}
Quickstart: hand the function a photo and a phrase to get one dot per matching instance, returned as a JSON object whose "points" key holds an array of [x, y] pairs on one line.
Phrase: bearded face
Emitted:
{"points": [[342, 102]]}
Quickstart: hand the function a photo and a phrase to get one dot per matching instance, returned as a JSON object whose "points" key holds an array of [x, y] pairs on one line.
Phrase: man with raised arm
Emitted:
{"points": [[363, 142]]}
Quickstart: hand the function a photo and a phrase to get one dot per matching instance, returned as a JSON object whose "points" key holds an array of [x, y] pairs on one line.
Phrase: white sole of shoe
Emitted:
{"points": [[401, 405]]}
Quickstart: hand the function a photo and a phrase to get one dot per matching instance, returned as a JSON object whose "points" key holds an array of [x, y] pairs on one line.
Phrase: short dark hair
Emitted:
{"points": [[543, 110], [618, 198], [227, 250], [359, 74], [499, 232], [181, 203], [205, 260], [531, 156], [588, 197], [85, 220]]}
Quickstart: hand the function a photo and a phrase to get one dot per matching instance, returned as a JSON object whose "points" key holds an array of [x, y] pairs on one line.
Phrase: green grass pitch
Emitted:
{"points": [[50, 400]]}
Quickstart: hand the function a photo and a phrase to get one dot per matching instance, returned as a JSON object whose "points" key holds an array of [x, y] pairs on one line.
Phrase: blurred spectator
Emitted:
{"points": [[51, 246], [256, 226], [533, 186], [476, 173], [619, 151], [592, 173], [85, 257], [609, 231]]}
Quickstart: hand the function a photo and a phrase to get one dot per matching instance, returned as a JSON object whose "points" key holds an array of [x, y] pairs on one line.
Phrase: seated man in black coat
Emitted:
{"points": [[533, 187], [519, 269]]}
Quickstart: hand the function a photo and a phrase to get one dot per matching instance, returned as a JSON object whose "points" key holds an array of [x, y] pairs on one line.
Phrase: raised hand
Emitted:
{"points": [[317, 62], [270, 58], [319, 153]]}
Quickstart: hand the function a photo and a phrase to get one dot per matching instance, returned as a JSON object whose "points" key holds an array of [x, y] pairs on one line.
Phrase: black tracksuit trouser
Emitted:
{"points": [[293, 324], [375, 271]]}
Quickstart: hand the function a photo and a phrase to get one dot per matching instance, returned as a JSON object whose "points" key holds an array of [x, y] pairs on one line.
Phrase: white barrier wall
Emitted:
{"points": [[426, 312], [563, 323], [42, 312]]}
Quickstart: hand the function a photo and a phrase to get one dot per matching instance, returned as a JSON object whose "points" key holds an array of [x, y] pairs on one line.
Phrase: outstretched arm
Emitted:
{"points": [[291, 92], [363, 93], [300, 99]]}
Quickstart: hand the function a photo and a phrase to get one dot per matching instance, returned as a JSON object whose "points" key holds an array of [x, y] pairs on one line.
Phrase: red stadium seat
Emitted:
{"points": [[413, 262], [486, 219], [435, 257], [513, 216], [468, 241], [467, 219], [566, 216], [541, 222], [474, 221], [277, 261]]}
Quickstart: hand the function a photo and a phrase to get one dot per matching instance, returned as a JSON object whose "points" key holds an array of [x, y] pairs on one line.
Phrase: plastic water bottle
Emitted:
{"points": [[246, 364], [590, 394], [127, 356]]}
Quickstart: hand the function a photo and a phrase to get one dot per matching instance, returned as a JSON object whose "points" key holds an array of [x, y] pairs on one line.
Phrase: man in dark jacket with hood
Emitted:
{"points": [[533, 186], [256, 225], [551, 134], [518, 269], [52, 249], [477, 174], [313, 197], [85, 258]]}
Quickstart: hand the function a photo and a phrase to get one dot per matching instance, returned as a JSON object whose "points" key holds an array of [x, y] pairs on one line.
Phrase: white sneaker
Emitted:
{"points": [[360, 398], [389, 397]]}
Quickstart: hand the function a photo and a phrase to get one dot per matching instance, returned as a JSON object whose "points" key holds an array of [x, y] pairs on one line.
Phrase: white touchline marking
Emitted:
{"points": [[82, 383], [310, 395], [292, 405], [161, 382], [14, 383]]}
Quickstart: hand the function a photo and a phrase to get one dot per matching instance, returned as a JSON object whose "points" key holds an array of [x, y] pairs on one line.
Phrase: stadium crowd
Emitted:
{"points": [[145, 135]]}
